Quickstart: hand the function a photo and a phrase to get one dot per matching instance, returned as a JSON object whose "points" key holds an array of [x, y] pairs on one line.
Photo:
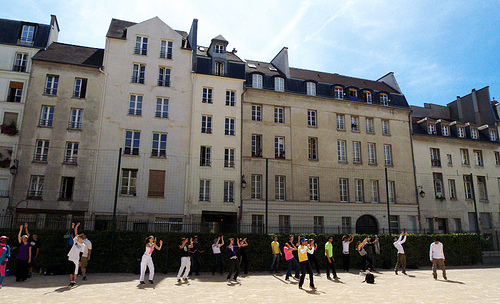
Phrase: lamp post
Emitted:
{"points": [[421, 191], [243, 182]]}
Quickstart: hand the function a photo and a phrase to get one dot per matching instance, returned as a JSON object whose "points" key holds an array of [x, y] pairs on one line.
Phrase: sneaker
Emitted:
{"points": [[404, 272], [185, 279], [396, 272], [287, 279], [300, 287], [71, 284], [142, 282], [328, 278], [336, 278], [84, 278], [151, 282], [228, 280], [179, 280], [312, 287], [236, 280]]}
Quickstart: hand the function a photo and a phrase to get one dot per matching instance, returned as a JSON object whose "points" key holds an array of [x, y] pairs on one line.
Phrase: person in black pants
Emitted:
{"points": [[330, 259], [24, 256], [243, 255], [312, 255], [195, 256], [233, 258], [346, 256], [218, 258], [305, 267]]}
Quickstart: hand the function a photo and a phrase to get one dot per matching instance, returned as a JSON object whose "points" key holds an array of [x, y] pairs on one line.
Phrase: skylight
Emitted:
{"points": [[251, 65], [273, 68]]}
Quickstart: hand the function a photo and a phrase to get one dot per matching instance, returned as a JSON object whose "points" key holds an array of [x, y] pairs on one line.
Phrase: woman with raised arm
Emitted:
{"points": [[311, 255], [346, 255], [147, 261], [218, 258], [24, 256], [360, 247], [185, 259], [74, 255], [233, 258]]}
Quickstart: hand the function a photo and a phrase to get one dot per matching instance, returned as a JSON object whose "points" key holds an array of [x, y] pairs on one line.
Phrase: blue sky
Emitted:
{"points": [[437, 49]]}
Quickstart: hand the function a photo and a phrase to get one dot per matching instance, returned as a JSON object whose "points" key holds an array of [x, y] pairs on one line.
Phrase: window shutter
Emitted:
{"points": [[156, 183]]}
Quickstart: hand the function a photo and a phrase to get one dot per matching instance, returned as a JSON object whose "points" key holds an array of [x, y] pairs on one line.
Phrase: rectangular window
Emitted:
{"points": [[75, 120], [36, 187], [279, 187], [355, 123], [41, 150], [132, 142], [230, 98], [412, 223], [284, 224], [392, 192], [279, 84], [256, 113], [161, 107], [341, 151], [311, 118], [344, 190], [485, 220], [206, 124], [386, 130], [340, 122], [450, 159], [66, 191], [27, 34], [207, 95], [204, 190], [370, 128], [314, 189], [468, 186], [481, 185], [493, 135], [141, 45], [166, 49], [346, 225], [375, 191], [71, 155], [478, 157], [353, 94], [257, 223], [473, 133], [438, 185], [388, 155], [229, 127], [15, 91], [129, 182], [51, 85], [394, 224], [256, 186], [228, 191], [164, 77], [360, 191], [256, 145], [135, 105], [339, 93], [139, 73], [384, 99], [453, 189], [229, 158], [80, 88], [431, 128], [464, 153], [430, 225], [372, 154], [311, 89], [205, 156], [20, 63], [46, 116], [313, 148], [367, 97], [279, 147], [219, 49], [356, 152], [279, 115], [156, 183], [497, 158], [435, 157], [445, 130], [219, 68], [257, 81], [319, 222], [458, 225], [159, 145], [461, 132]]}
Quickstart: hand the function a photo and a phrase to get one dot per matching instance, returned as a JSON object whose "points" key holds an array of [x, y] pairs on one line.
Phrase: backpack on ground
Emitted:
{"points": [[370, 278]]}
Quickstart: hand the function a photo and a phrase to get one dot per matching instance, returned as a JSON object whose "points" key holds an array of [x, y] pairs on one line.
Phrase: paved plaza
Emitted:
{"points": [[477, 285]]}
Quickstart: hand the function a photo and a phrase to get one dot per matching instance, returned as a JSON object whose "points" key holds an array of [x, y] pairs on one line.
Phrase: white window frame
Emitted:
{"points": [[280, 187], [368, 97], [36, 186], [360, 191], [230, 98], [370, 126], [204, 190], [392, 191], [464, 155], [473, 133], [75, 119], [135, 105], [164, 74], [375, 191], [478, 158], [493, 135], [129, 182], [27, 34], [132, 142], [311, 88], [388, 155], [372, 153], [467, 187], [206, 124], [71, 155], [386, 127], [314, 189], [312, 118], [21, 62], [256, 112], [384, 99], [161, 107], [220, 68], [313, 148], [279, 84], [279, 147], [257, 145], [279, 115], [207, 96], [431, 128], [449, 159], [46, 116], [256, 187], [341, 122], [159, 145], [342, 151], [445, 130], [138, 73], [228, 191], [453, 188], [355, 127], [41, 150], [356, 152], [344, 190], [51, 85], [141, 45], [229, 161], [219, 48], [339, 93], [257, 81], [497, 158], [205, 156], [80, 88], [461, 132], [230, 126], [166, 49]]}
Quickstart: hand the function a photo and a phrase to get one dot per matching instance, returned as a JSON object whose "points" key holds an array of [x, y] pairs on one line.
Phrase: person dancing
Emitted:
{"points": [[311, 255], [233, 258], [304, 263], [147, 261], [398, 243], [4, 257], [185, 259], [330, 260], [346, 255]]}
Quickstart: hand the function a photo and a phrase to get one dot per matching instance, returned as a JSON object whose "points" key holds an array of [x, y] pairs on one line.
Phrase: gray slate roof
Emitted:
{"points": [[10, 32], [71, 54]]}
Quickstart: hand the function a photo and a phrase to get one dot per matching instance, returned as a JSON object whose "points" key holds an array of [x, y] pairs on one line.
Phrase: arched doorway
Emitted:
{"points": [[366, 224]]}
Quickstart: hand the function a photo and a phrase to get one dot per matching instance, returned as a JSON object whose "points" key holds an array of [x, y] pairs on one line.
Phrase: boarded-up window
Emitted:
{"points": [[10, 118], [156, 183]]}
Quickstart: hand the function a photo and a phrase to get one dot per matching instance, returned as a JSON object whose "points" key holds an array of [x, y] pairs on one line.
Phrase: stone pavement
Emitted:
{"points": [[473, 285]]}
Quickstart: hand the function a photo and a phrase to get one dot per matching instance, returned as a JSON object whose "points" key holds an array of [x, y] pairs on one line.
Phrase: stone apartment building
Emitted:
{"points": [[58, 136], [19, 42], [457, 163], [327, 139]]}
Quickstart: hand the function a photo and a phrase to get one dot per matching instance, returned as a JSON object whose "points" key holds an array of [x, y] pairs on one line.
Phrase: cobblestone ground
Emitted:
{"points": [[474, 285]]}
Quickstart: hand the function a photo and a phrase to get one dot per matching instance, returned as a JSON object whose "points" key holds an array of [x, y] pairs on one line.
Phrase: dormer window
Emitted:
{"points": [[279, 84], [219, 68], [27, 34], [339, 92], [461, 132], [493, 135], [141, 45], [257, 81], [220, 49], [445, 130], [353, 94], [311, 88], [384, 99], [473, 133], [367, 96], [431, 129]]}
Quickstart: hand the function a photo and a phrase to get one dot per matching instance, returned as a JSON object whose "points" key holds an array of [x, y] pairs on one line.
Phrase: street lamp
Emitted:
{"points": [[421, 192], [13, 168], [243, 182]]}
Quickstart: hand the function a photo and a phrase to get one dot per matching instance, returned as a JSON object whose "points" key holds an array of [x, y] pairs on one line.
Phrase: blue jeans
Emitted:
{"points": [[292, 263], [276, 262]]}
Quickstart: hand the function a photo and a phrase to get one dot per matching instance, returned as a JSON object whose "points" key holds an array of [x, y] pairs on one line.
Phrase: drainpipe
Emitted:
{"points": [[241, 157], [415, 175]]}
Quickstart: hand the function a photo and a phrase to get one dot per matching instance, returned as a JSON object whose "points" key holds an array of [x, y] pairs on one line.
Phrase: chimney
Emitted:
{"points": [[460, 109], [477, 114]]}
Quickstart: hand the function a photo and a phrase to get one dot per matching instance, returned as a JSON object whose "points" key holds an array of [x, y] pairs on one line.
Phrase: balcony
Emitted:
{"points": [[163, 83], [165, 55], [158, 153], [161, 114], [75, 125], [40, 157], [136, 79], [45, 123], [135, 112], [131, 151], [140, 51], [34, 194], [19, 68], [70, 159]]}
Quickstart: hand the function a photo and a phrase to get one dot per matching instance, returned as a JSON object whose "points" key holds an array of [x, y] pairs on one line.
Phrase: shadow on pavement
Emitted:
{"points": [[455, 282]]}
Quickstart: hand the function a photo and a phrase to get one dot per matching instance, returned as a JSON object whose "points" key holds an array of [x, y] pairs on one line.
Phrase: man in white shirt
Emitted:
{"points": [[398, 243], [436, 255], [85, 256]]}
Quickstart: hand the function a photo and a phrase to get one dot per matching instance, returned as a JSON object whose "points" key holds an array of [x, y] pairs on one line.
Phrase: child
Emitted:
{"points": [[4, 257], [74, 255], [185, 259], [24, 256], [147, 261], [219, 260]]}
